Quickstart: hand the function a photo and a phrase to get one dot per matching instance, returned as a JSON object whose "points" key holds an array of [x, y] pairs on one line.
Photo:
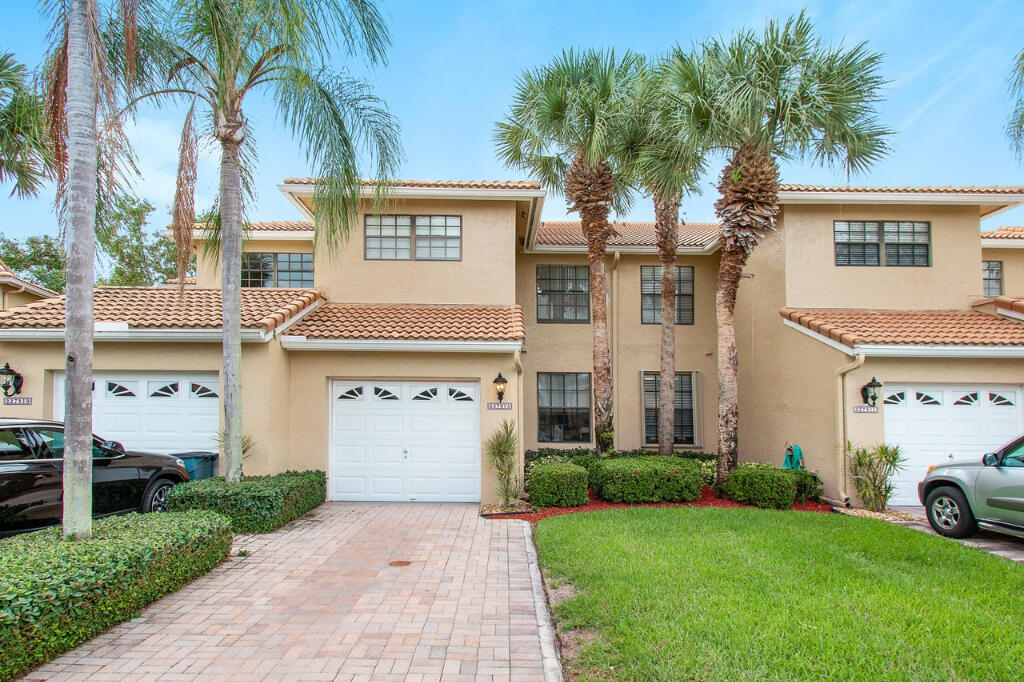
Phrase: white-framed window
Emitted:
{"points": [[262, 270], [563, 293], [685, 417], [650, 294], [894, 243], [992, 277], [408, 237]]}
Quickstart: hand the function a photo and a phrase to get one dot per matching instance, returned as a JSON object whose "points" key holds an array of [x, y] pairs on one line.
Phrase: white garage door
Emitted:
{"points": [[152, 412], [933, 424], [405, 441]]}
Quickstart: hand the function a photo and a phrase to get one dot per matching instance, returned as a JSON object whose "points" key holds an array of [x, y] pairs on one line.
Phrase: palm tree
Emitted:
{"points": [[1015, 126], [758, 99], [566, 127], [79, 87], [213, 55], [25, 157], [668, 161]]}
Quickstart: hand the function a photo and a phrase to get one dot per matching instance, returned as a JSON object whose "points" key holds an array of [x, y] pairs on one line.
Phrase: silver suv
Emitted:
{"points": [[962, 496]]}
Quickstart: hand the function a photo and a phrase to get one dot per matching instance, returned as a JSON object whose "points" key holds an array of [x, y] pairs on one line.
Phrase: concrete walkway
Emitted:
{"points": [[993, 543], [321, 600]]}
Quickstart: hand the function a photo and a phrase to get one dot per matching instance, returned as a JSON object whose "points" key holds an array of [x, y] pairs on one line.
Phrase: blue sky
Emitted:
{"points": [[453, 65]]}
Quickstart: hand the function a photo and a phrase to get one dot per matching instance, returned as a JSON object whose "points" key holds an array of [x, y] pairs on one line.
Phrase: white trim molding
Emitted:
{"points": [[1006, 312], [1001, 243], [264, 235], [24, 285], [885, 350], [998, 202], [400, 345]]}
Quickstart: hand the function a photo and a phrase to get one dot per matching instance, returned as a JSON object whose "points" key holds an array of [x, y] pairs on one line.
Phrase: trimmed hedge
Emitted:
{"points": [[590, 459], [557, 484], [761, 485], [256, 504], [808, 485], [54, 594], [651, 479]]}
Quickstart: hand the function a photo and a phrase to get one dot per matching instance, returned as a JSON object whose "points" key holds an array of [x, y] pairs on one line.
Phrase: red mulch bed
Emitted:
{"points": [[707, 499]]}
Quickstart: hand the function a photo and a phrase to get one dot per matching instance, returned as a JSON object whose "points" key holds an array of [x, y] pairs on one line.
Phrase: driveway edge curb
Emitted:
{"points": [[549, 653]]}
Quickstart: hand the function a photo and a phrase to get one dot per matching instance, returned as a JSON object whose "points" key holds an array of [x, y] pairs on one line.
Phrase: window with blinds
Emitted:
{"points": [[650, 294], [890, 243]]}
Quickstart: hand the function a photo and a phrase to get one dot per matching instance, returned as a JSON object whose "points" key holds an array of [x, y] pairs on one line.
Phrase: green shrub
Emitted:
{"points": [[56, 594], [650, 479], [761, 485], [256, 504], [557, 484], [589, 459], [808, 485]]}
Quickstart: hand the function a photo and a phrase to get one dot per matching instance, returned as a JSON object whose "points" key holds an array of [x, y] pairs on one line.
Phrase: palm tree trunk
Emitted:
{"points": [[589, 189], [666, 214], [747, 207], [231, 135], [81, 212]]}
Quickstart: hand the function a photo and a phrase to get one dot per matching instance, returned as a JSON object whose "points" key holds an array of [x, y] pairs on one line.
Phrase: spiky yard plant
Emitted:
{"points": [[565, 126], [872, 470], [215, 55], [759, 98], [502, 450]]}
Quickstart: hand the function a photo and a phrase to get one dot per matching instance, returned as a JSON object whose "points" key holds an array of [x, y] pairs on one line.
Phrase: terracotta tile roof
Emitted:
{"points": [[1008, 303], [189, 281], [944, 189], [910, 327], [1004, 233], [568, 233], [421, 322], [167, 308], [272, 226], [10, 274], [451, 184]]}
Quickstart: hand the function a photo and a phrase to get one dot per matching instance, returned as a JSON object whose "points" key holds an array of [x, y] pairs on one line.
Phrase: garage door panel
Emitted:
{"points": [[348, 485], [421, 436], [933, 424]]}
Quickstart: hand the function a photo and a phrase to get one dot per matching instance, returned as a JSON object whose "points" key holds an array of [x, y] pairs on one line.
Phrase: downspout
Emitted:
{"points": [[841, 373], [613, 341], [517, 361]]}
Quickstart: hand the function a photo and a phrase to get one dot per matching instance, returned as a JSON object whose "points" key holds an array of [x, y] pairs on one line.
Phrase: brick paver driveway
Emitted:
{"points": [[318, 600]]}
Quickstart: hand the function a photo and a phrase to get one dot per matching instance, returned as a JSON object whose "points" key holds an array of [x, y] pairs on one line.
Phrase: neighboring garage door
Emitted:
{"points": [[405, 441], [152, 412], [933, 424]]}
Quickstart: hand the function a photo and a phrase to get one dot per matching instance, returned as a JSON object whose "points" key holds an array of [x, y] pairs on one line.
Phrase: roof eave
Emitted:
{"points": [[297, 342], [998, 202], [1000, 243]]}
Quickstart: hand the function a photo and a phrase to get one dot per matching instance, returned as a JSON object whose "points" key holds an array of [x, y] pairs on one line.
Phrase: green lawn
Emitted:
{"points": [[744, 594]]}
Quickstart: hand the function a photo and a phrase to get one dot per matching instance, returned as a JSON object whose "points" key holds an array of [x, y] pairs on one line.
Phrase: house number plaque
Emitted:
{"points": [[499, 406], [17, 401], [864, 409]]}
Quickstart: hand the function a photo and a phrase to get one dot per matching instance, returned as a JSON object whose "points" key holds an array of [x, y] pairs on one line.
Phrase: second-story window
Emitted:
{"points": [[563, 293], [650, 294], [887, 242], [407, 237], [992, 277], [277, 269]]}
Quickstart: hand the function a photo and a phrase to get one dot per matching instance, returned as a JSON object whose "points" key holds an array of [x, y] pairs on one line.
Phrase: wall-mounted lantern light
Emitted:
{"points": [[500, 383], [10, 380], [869, 391]]}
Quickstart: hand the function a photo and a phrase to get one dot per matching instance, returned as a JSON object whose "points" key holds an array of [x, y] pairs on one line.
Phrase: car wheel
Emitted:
{"points": [[949, 514], [155, 499]]}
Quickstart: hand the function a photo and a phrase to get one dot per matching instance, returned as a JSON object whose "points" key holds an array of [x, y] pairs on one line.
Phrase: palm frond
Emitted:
{"points": [[1015, 125], [25, 153], [183, 213]]}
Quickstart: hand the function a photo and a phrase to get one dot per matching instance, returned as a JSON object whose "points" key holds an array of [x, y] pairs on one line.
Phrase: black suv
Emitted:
{"points": [[31, 476]]}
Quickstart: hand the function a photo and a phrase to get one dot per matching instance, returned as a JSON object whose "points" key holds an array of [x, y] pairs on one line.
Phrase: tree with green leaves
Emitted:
{"points": [[758, 98], [216, 55], [26, 157], [39, 258], [89, 152], [138, 258], [668, 159], [567, 127]]}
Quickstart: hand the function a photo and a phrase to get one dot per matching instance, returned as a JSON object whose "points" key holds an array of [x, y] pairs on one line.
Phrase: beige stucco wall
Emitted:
{"points": [[787, 390], [635, 347], [485, 275], [308, 408], [814, 281], [12, 297], [1013, 269]]}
